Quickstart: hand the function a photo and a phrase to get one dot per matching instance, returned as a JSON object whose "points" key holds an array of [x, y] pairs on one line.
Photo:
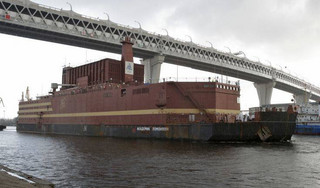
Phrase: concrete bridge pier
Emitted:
{"points": [[265, 92], [152, 68], [302, 99]]}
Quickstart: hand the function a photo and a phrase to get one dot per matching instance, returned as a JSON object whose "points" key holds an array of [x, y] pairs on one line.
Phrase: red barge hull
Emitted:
{"points": [[108, 98], [204, 111]]}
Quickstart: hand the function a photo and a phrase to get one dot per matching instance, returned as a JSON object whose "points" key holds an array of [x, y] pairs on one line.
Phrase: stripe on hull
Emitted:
{"points": [[34, 105], [36, 110], [133, 112]]}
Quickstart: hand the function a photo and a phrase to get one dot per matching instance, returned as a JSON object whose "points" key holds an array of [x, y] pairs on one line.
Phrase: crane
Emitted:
{"points": [[1, 101]]}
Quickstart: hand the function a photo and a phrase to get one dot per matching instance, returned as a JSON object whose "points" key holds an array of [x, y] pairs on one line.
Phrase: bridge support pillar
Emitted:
{"points": [[152, 68], [265, 92], [302, 99]]}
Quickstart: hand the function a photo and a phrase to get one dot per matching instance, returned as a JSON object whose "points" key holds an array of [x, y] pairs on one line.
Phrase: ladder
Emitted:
{"points": [[192, 99]]}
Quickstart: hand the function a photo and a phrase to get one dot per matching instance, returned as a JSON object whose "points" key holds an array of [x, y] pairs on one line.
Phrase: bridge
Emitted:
{"points": [[28, 19]]}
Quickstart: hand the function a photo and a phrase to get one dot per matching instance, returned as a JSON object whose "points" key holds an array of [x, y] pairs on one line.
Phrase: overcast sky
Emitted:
{"points": [[283, 32]]}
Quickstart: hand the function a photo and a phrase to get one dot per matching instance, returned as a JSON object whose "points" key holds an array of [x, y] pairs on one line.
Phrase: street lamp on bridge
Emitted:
{"points": [[107, 15], [269, 62], [239, 53], [70, 6], [190, 38], [287, 69], [138, 24], [210, 43], [228, 49], [166, 31], [257, 58]]}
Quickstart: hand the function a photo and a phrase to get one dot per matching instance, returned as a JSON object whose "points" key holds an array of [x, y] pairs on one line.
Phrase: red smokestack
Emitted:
{"points": [[127, 53], [127, 60]]}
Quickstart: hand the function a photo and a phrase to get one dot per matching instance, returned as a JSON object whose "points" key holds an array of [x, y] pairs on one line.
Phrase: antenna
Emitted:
{"points": [[22, 97], [27, 94]]}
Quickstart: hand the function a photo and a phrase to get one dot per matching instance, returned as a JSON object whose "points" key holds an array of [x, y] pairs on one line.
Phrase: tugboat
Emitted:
{"points": [[108, 98], [307, 122]]}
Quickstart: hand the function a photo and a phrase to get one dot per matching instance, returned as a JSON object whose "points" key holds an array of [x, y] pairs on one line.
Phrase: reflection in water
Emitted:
{"points": [[92, 161]]}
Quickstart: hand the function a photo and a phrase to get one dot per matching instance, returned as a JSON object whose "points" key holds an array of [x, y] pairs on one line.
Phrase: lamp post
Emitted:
{"points": [[190, 38], [210, 44], [166, 31], [228, 49], [257, 58], [107, 15], [177, 73], [70, 5], [239, 53], [287, 69], [138, 24], [269, 63]]}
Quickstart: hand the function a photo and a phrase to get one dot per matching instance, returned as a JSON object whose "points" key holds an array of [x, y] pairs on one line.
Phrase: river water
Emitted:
{"points": [[72, 161]]}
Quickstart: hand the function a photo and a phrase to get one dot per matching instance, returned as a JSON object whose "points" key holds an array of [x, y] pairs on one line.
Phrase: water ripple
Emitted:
{"points": [[70, 161]]}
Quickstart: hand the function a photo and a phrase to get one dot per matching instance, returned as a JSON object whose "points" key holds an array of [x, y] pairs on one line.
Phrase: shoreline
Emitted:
{"points": [[13, 178]]}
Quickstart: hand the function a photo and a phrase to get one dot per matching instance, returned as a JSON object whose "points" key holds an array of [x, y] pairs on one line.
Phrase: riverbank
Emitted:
{"points": [[11, 178]]}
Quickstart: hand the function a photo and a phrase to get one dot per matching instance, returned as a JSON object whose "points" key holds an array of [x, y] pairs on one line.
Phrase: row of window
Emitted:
{"points": [[228, 87], [140, 91], [220, 86]]}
